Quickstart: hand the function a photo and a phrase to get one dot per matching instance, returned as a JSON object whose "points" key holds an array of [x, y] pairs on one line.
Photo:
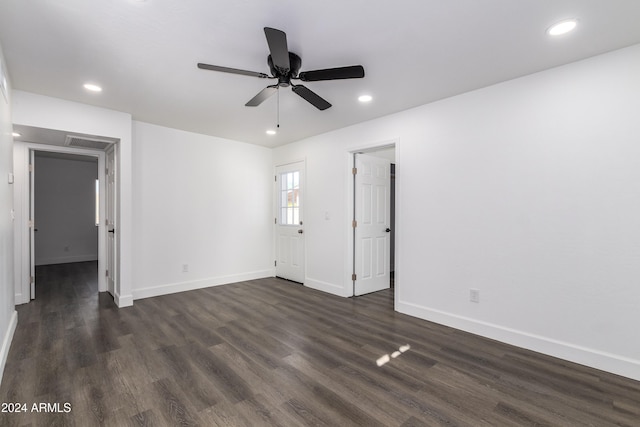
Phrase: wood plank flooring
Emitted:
{"points": [[272, 353]]}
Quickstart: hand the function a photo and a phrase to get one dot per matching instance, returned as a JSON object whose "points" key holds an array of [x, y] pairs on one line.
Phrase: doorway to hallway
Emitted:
{"points": [[65, 210]]}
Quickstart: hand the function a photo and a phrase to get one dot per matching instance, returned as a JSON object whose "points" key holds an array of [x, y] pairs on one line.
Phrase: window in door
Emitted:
{"points": [[290, 198]]}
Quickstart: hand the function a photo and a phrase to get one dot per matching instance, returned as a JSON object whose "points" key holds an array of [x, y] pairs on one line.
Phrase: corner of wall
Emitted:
{"points": [[123, 300]]}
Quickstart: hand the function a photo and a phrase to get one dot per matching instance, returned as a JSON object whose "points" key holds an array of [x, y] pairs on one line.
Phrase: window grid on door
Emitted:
{"points": [[290, 198]]}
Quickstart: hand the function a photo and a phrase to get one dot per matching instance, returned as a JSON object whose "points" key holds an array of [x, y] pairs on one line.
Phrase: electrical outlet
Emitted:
{"points": [[185, 268], [474, 295]]}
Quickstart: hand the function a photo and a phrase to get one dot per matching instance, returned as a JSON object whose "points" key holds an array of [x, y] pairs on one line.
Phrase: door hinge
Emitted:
{"points": [[275, 220], [353, 277], [106, 273], [354, 223], [275, 178], [30, 279], [30, 167], [275, 263], [30, 223], [354, 171]]}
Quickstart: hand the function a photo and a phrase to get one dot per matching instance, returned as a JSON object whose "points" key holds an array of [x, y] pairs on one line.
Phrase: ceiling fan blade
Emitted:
{"points": [[312, 97], [352, 72], [277, 41], [232, 70], [262, 96]]}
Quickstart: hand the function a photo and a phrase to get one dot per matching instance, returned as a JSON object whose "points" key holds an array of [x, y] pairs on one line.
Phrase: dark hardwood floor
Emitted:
{"points": [[269, 352]]}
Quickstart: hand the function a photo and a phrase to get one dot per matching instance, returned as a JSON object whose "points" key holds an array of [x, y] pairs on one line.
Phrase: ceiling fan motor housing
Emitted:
{"points": [[284, 76]]}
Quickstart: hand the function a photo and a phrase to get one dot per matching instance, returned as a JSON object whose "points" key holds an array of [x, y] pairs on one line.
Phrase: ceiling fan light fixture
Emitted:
{"points": [[562, 27], [365, 98], [92, 87]]}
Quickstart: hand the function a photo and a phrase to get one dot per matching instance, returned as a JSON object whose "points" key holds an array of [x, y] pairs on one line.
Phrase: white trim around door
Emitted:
{"points": [[23, 196]]}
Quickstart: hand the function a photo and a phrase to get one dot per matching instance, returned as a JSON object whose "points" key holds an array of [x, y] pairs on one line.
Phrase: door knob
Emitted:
{"points": [[112, 231], [300, 231], [388, 230]]}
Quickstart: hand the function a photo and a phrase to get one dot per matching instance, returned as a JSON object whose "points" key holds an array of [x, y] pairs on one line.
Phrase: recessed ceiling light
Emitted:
{"points": [[562, 27], [93, 88], [365, 98], [16, 134], [271, 132]]}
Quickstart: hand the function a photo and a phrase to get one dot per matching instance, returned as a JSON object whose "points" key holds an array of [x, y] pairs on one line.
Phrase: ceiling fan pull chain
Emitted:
{"points": [[278, 111]]}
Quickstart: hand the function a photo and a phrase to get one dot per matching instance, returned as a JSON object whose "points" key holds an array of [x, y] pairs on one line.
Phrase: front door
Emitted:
{"points": [[289, 222], [372, 224]]}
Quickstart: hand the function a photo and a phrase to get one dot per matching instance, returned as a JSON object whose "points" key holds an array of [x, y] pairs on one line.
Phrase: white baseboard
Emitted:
{"points": [[171, 288], [327, 287], [67, 259], [123, 300], [616, 364], [6, 342]]}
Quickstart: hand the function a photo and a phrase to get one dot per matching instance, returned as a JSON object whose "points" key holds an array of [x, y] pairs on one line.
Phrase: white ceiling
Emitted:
{"points": [[144, 54]]}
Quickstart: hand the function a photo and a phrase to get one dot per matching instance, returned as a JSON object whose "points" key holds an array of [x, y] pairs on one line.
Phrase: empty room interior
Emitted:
{"points": [[281, 213]]}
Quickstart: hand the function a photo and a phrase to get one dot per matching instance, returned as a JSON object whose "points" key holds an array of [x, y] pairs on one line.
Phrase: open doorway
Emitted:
{"points": [[32, 149], [67, 208], [374, 220], [66, 213]]}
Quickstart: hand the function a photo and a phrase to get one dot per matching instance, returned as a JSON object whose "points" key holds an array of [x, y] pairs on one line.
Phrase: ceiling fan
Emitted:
{"points": [[285, 66]]}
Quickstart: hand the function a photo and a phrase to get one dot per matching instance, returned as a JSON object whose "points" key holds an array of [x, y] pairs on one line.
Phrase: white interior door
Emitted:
{"points": [[372, 224], [110, 220], [32, 225], [289, 221]]}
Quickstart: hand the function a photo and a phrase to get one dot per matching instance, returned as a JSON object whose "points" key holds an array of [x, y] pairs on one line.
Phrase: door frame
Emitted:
{"points": [[350, 203], [276, 213], [22, 221]]}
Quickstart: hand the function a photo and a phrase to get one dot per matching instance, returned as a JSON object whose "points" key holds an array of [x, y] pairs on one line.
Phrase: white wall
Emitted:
{"points": [[528, 191], [8, 316], [51, 113], [201, 201], [65, 210]]}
